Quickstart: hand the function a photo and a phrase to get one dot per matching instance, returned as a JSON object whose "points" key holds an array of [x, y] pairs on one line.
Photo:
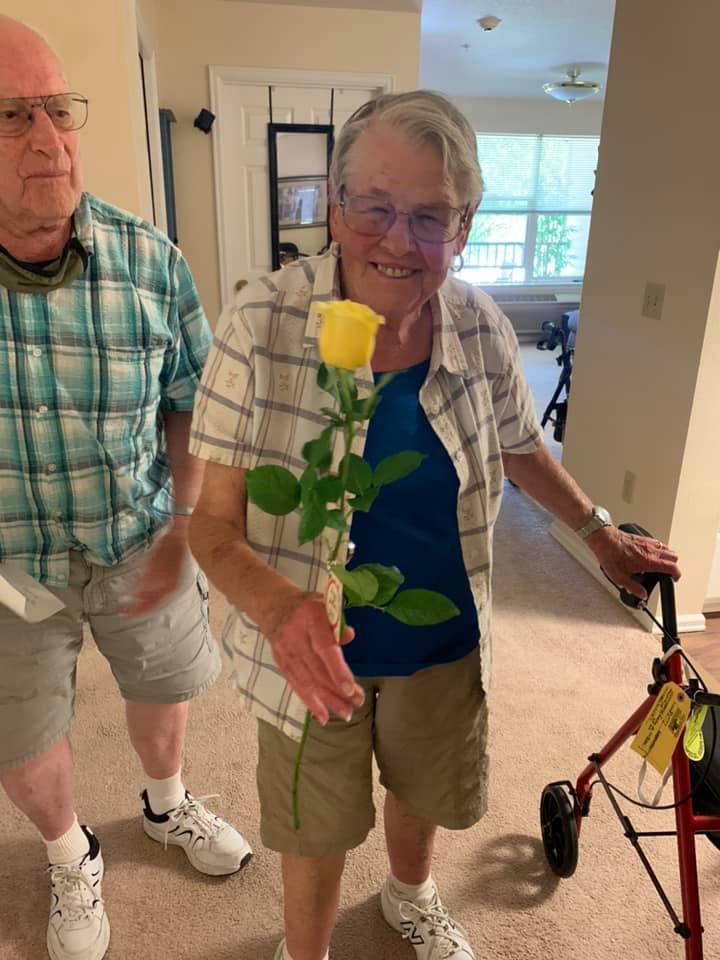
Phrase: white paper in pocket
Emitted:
{"points": [[27, 598]]}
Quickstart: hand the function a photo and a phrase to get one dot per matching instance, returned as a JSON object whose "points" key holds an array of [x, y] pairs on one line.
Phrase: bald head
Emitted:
{"points": [[40, 179], [27, 62]]}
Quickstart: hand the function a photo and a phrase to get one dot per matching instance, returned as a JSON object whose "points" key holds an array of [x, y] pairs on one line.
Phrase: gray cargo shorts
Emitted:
{"points": [[165, 656]]}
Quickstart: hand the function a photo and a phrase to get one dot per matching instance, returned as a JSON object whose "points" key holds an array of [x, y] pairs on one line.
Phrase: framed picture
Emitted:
{"points": [[298, 165], [302, 201]]}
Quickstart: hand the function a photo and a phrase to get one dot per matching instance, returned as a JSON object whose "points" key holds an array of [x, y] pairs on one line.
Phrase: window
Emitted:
{"points": [[534, 220]]}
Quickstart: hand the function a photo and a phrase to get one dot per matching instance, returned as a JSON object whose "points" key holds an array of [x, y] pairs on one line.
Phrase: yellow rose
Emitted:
{"points": [[347, 334]]}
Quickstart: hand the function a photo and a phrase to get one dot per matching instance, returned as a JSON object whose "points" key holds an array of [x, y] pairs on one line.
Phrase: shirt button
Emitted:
{"points": [[37, 352], [58, 517], [51, 467], [42, 408]]}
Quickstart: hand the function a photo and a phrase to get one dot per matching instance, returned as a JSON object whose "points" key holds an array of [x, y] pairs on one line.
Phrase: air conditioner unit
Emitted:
{"points": [[529, 299], [528, 311]]}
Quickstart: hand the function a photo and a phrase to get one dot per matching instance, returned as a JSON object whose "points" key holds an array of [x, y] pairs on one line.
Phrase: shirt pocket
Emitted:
{"points": [[128, 379]]}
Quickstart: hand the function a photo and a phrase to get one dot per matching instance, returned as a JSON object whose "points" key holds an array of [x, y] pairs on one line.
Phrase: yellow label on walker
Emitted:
{"points": [[694, 741], [660, 731]]}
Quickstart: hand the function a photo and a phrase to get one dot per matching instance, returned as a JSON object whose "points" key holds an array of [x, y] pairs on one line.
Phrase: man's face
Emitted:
{"points": [[40, 176]]}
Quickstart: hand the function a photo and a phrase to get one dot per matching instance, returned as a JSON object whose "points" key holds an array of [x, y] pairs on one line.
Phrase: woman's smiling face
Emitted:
{"points": [[395, 273]]}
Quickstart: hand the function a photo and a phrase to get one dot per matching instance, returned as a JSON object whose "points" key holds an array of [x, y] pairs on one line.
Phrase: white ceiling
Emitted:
{"points": [[536, 42]]}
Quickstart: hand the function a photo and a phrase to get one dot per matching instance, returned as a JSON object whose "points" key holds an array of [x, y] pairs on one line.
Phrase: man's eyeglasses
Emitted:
{"points": [[373, 217], [68, 111]]}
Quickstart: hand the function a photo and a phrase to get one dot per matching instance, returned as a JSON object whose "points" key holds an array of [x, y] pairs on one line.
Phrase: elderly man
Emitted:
{"points": [[102, 341]]}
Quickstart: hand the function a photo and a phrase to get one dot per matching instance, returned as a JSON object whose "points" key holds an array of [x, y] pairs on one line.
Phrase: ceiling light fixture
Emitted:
{"points": [[572, 89]]}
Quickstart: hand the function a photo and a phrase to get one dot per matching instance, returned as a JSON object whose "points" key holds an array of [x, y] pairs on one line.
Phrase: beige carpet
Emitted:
{"points": [[569, 666]]}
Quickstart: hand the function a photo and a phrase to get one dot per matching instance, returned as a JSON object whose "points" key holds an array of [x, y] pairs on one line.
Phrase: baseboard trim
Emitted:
{"points": [[687, 622], [712, 605]]}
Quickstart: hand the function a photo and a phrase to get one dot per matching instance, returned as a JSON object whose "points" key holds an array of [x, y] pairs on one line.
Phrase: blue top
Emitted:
{"points": [[412, 525]]}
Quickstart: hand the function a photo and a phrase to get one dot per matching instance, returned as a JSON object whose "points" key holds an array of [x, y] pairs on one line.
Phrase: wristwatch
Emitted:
{"points": [[599, 518]]}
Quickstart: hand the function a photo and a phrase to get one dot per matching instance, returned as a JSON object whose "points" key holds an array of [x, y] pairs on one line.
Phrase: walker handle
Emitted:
{"points": [[649, 581]]}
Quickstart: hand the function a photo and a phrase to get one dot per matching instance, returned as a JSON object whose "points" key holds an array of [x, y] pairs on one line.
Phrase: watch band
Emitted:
{"points": [[178, 511], [600, 518]]}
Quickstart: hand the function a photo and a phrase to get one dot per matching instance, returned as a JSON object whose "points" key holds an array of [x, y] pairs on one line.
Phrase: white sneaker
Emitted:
{"points": [[212, 846], [428, 928], [78, 928]]}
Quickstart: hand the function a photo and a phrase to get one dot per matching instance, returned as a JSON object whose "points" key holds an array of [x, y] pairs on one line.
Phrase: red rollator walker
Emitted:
{"points": [[564, 806]]}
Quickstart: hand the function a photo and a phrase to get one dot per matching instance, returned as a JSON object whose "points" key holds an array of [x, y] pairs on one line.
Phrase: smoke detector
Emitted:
{"points": [[488, 23]]}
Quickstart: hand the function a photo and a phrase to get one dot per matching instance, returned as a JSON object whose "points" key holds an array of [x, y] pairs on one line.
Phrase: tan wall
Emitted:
{"points": [[193, 36], [489, 115], [646, 393], [98, 43]]}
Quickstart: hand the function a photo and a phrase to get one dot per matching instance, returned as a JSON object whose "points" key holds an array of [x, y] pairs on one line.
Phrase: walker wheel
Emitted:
{"points": [[559, 833]]}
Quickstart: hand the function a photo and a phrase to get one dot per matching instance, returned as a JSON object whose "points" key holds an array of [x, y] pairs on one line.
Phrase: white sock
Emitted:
{"points": [[164, 795], [72, 845], [286, 955], [421, 893]]}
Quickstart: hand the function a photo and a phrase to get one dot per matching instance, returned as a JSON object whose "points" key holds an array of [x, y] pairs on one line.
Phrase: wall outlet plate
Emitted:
{"points": [[653, 300]]}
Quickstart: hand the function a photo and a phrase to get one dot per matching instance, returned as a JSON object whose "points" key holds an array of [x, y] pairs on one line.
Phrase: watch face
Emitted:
{"points": [[602, 514]]}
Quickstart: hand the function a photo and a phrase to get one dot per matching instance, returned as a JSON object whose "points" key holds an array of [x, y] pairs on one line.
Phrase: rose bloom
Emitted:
{"points": [[347, 335]]}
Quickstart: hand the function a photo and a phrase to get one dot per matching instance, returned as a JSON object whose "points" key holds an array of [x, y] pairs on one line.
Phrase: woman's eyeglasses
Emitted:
{"points": [[373, 217]]}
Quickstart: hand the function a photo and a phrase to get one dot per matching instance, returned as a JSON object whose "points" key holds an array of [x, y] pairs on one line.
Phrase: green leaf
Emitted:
{"points": [[318, 452], [359, 586], [336, 520], [333, 416], [360, 475], [397, 466], [308, 480], [329, 489], [421, 608], [313, 520], [359, 409], [389, 580], [364, 501], [273, 489], [371, 403], [385, 380], [327, 379]]}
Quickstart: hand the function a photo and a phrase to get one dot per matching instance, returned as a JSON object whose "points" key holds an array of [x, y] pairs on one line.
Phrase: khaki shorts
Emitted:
{"points": [[167, 656], [428, 733]]}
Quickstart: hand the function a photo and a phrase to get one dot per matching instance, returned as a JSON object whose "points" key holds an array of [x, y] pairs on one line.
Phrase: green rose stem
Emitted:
{"points": [[276, 491], [348, 434]]}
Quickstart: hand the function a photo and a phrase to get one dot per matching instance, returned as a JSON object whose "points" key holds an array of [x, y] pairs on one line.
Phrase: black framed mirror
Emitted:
{"points": [[298, 166]]}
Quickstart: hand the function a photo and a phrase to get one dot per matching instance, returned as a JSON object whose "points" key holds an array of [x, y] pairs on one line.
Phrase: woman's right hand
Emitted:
{"points": [[306, 651]]}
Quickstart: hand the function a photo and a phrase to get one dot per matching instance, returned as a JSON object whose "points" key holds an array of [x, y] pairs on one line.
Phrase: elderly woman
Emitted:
{"points": [[405, 183]]}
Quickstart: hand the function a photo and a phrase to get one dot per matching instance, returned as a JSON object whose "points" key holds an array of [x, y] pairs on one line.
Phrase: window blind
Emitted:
{"points": [[537, 174]]}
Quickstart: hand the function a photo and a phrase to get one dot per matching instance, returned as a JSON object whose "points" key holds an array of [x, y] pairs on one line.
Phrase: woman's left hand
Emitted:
{"points": [[622, 554]]}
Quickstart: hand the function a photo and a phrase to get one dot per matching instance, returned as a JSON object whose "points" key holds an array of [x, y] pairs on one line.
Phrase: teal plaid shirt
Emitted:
{"points": [[85, 373]]}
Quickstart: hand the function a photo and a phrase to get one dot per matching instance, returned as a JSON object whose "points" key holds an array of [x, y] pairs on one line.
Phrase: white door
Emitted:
{"points": [[241, 161]]}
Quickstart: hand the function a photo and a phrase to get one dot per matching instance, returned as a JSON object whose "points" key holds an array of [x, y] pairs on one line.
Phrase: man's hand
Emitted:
{"points": [[305, 650], [161, 573], [621, 555]]}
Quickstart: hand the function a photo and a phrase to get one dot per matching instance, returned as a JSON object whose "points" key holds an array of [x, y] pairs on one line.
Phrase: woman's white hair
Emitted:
{"points": [[424, 118]]}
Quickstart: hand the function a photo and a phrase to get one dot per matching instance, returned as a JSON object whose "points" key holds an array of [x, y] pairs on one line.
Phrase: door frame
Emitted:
{"points": [[156, 177], [221, 77]]}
